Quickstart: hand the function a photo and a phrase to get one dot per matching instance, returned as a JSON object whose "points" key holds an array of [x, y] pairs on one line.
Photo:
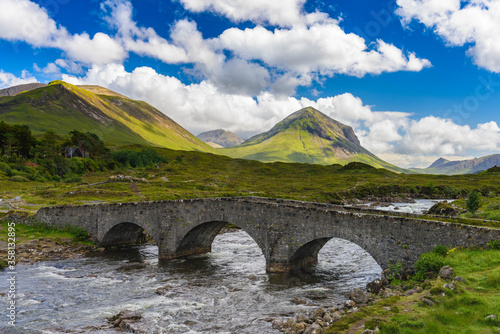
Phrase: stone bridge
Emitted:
{"points": [[289, 233]]}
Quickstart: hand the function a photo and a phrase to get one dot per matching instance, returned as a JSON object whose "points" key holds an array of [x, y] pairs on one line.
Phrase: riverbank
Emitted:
{"points": [[38, 242], [463, 299]]}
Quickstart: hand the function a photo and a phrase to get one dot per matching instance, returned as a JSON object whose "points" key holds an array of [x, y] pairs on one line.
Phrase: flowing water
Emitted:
{"points": [[226, 291]]}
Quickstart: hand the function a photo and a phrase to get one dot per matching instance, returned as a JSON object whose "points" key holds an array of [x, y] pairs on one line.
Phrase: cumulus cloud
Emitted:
{"points": [[26, 21], [9, 79], [433, 135], [322, 48], [474, 23], [280, 13]]}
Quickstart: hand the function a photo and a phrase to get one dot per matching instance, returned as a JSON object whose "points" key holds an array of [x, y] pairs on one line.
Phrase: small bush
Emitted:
{"points": [[473, 202], [79, 233], [495, 244], [440, 250], [429, 263], [19, 178]]}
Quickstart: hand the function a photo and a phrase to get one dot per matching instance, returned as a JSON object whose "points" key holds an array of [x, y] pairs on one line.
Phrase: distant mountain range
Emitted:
{"points": [[11, 91], [308, 136], [472, 166], [118, 120], [221, 138]]}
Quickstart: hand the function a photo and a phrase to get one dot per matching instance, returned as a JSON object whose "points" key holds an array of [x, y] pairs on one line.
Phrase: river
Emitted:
{"points": [[226, 291]]}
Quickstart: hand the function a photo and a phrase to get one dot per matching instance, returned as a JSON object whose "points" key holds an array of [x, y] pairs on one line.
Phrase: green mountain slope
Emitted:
{"points": [[307, 136], [471, 166], [115, 118]]}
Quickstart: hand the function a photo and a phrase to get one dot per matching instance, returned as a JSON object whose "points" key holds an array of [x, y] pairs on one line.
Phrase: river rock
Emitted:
{"points": [[299, 301], [314, 329], [298, 326], [301, 318], [358, 296], [277, 324], [375, 286], [317, 313], [446, 272], [349, 304], [332, 316], [450, 286]]}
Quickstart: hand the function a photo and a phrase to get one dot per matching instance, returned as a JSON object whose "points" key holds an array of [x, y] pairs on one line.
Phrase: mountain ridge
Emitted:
{"points": [[63, 107], [307, 136], [468, 166]]}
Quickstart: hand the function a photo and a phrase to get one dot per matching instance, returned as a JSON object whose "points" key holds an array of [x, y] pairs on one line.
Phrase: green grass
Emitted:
{"points": [[461, 311], [25, 233]]}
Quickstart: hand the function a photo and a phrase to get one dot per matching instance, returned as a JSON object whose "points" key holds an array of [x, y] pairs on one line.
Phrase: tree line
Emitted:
{"points": [[25, 157]]}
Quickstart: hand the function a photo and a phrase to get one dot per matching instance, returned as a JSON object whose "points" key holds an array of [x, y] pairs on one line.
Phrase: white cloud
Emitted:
{"points": [[23, 20], [322, 48], [9, 79], [433, 135], [281, 13], [474, 22], [140, 40]]}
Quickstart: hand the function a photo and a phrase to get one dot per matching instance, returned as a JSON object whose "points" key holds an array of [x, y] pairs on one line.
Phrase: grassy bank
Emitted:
{"points": [[465, 309]]}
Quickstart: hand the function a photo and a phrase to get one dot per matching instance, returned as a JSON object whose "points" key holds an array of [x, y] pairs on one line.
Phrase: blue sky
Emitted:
{"points": [[417, 79]]}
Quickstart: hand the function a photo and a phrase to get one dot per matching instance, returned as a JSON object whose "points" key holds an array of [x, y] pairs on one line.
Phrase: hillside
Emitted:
{"points": [[221, 137], [471, 166], [308, 136], [118, 120]]}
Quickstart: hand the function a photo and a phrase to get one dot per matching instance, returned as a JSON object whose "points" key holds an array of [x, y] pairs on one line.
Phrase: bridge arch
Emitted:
{"points": [[126, 233], [199, 239], [306, 253]]}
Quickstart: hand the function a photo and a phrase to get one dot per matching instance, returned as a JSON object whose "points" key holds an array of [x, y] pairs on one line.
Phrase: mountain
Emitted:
{"points": [[307, 136], [221, 138], [118, 120], [14, 90], [472, 166]]}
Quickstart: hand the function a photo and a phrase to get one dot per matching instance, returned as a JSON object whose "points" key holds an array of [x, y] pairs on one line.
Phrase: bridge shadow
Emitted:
{"points": [[126, 234]]}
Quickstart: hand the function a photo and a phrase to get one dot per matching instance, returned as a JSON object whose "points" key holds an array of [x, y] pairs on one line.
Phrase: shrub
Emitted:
{"points": [[79, 233], [440, 250], [495, 244], [473, 202], [19, 178], [429, 263]]}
